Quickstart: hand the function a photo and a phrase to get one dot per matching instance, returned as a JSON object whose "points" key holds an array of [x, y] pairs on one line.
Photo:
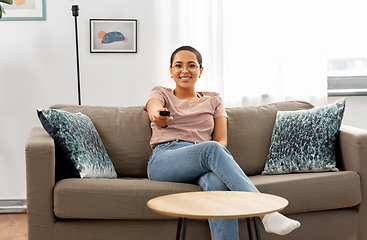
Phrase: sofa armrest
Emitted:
{"points": [[352, 155], [40, 169], [352, 149]]}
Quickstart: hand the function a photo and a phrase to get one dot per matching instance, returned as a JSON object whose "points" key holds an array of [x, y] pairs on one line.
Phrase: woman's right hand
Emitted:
{"points": [[154, 106], [160, 121]]}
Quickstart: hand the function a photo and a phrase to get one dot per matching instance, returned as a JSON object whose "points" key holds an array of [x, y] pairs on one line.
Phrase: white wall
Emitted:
{"points": [[355, 113], [346, 39], [37, 69]]}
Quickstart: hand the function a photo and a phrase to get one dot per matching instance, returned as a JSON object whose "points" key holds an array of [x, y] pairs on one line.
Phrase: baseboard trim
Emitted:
{"points": [[13, 205]]}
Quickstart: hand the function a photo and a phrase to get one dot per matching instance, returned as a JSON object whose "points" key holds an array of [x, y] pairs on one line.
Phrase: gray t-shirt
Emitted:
{"points": [[193, 121]]}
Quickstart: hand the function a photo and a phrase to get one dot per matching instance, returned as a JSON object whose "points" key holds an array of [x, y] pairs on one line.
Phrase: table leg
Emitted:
{"points": [[257, 229], [249, 229], [182, 223], [179, 224], [184, 229]]}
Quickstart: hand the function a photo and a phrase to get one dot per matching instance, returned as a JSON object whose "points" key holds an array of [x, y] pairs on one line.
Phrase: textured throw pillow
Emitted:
{"points": [[79, 144], [304, 140]]}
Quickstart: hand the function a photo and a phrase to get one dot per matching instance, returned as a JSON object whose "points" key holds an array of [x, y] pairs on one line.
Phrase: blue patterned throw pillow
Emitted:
{"points": [[79, 144], [304, 140]]}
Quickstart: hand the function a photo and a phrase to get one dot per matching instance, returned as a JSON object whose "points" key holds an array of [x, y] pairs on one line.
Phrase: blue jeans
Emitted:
{"points": [[208, 164]]}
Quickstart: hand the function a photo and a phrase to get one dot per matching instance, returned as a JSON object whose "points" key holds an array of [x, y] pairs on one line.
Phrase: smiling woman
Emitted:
{"points": [[190, 145]]}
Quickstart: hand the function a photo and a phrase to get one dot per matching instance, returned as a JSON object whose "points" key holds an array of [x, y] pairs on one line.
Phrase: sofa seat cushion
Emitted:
{"points": [[309, 192], [127, 198], [122, 198]]}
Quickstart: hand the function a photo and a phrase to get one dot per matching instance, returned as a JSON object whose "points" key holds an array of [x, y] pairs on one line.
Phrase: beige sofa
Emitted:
{"points": [[329, 205]]}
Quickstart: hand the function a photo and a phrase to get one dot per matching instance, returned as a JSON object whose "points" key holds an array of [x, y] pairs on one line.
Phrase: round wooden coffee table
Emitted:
{"points": [[216, 204]]}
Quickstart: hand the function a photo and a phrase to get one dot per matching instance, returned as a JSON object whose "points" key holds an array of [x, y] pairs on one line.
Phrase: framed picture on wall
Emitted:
{"points": [[25, 10], [113, 35]]}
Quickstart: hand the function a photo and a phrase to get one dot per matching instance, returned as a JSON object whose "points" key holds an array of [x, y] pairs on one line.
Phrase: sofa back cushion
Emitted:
{"points": [[250, 129], [125, 133]]}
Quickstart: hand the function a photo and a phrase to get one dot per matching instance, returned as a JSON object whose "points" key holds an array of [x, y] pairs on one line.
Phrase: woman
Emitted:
{"points": [[190, 144]]}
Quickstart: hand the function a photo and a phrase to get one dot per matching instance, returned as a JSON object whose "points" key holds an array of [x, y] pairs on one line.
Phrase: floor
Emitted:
{"points": [[13, 226]]}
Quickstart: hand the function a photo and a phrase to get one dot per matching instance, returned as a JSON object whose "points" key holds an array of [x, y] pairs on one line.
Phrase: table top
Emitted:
{"points": [[217, 204]]}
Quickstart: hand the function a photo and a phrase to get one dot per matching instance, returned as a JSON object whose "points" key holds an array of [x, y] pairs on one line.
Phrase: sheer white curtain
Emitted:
{"points": [[254, 52], [195, 23]]}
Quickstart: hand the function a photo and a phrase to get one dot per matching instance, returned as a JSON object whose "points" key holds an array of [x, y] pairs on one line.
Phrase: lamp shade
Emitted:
{"points": [[74, 2]]}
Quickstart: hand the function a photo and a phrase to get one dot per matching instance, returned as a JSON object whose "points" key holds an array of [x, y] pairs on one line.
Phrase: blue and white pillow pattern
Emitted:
{"points": [[79, 142], [304, 140]]}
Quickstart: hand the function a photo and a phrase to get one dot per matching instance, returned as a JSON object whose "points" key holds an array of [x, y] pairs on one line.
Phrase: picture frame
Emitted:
{"points": [[113, 35], [25, 10]]}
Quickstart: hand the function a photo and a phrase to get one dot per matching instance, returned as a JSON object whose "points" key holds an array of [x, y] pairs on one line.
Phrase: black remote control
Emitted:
{"points": [[164, 113]]}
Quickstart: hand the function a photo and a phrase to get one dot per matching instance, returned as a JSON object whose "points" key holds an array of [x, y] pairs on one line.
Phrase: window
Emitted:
{"points": [[347, 77]]}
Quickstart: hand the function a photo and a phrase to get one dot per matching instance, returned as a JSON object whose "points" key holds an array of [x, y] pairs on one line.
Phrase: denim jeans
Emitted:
{"points": [[208, 164]]}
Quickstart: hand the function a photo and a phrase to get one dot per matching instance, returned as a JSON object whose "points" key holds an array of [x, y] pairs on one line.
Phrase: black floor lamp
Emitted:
{"points": [[75, 13]]}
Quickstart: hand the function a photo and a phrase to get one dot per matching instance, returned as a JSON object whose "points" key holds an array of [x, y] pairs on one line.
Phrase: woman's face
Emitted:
{"points": [[185, 69]]}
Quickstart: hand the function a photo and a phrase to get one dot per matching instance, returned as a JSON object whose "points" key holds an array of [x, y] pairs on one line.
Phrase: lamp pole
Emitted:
{"points": [[75, 13]]}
